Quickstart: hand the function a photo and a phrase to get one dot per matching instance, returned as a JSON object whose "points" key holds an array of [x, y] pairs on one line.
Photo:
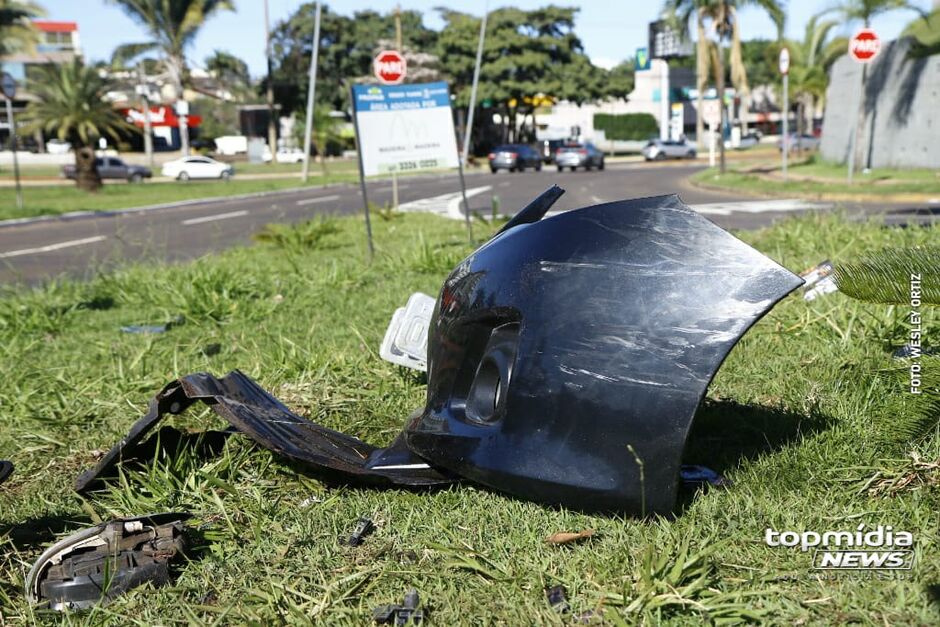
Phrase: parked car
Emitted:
{"points": [[283, 155], [576, 156], [804, 142], [113, 168], [747, 141], [514, 157], [58, 147], [197, 168], [660, 149]]}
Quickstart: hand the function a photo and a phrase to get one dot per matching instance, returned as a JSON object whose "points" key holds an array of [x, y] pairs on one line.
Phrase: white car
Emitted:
{"points": [[197, 168], [284, 155], [58, 147]]}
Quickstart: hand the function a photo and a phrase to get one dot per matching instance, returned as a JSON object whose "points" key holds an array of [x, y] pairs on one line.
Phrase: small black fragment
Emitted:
{"points": [[210, 350], [403, 614], [6, 469], [556, 598], [364, 527]]}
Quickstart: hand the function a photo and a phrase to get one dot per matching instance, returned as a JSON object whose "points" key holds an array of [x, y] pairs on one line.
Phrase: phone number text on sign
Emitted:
{"points": [[405, 127]]}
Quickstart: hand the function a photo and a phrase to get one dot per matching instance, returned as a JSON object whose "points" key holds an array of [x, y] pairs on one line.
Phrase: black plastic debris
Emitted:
{"points": [[557, 599], [100, 563], [592, 334], [907, 352], [364, 527], [403, 614], [6, 469], [693, 475]]}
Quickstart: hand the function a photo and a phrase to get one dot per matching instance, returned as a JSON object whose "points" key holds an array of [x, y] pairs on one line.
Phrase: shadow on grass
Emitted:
{"points": [[724, 433], [34, 533]]}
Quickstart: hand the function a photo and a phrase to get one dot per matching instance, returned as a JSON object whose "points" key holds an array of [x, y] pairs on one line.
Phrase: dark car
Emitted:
{"points": [[576, 156], [514, 157], [113, 168]]}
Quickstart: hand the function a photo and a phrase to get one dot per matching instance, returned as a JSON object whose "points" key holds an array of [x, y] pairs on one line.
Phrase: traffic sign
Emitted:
{"points": [[784, 61], [390, 67], [711, 112], [864, 45], [8, 86]]}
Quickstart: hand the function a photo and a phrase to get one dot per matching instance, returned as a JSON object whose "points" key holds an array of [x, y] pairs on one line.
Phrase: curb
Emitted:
{"points": [[927, 199]]}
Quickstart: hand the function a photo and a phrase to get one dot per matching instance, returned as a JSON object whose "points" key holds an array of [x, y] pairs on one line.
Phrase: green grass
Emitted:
{"points": [[55, 200], [800, 418], [819, 179]]}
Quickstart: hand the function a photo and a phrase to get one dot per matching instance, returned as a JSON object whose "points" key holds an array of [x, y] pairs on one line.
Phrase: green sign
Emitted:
{"points": [[642, 60]]}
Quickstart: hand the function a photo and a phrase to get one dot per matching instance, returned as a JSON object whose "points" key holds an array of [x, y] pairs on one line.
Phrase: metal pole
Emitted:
{"points": [[473, 88], [362, 175], [786, 120], [401, 52], [858, 112], [664, 101], [311, 96], [148, 125], [466, 204], [272, 128], [16, 163]]}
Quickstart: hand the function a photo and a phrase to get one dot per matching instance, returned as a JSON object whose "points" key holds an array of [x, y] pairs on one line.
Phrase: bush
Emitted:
{"points": [[630, 126]]}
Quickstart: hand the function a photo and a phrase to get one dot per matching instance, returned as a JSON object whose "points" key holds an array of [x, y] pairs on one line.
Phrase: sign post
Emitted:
{"points": [[8, 86], [390, 67], [785, 70], [403, 128], [863, 48], [711, 114]]}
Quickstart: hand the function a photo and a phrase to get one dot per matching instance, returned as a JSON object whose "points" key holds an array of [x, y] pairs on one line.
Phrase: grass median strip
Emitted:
{"points": [[822, 180], [797, 419]]}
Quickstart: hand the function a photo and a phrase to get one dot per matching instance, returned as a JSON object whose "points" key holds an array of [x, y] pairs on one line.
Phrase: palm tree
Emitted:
{"points": [[16, 27], [230, 71], [809, 71], [865, 11], [71, 106], [723, 16], [173, 25]]}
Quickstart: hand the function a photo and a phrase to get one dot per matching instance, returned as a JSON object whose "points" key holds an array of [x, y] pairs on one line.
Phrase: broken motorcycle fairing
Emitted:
{"points": [[566, 359]]}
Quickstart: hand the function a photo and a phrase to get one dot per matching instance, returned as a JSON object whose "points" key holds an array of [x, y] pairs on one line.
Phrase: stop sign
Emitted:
{"points": [[864, 45], [389, 67]]}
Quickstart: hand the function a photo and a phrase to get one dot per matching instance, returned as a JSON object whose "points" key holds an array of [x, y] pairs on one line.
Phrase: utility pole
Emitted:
{"points": [[142, 90], [272, 122], [402, 53], [16, 163], [312, 96], [473, 88]]}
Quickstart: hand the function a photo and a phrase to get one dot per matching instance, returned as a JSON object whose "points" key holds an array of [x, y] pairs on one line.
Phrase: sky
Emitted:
{"points": [[611, 30]]}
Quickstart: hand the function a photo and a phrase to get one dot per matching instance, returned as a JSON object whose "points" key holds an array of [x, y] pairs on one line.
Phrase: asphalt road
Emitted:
{"points": [[79, 247]]}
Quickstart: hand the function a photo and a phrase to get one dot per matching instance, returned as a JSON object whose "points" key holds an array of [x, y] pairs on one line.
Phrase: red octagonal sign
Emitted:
{"points": [[864, 45], [389, 67]]}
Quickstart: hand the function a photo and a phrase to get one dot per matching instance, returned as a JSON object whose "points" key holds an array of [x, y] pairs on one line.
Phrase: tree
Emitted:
{"points": [[347, 46], [325, 136], [865, 11], [229, 71], [926, 33], [173, 25], [71, 106], [16, 26], [810, 60], [528, 57], [723, 16]]}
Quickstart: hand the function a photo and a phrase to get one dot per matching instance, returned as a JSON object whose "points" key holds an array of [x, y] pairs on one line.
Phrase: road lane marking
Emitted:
{"points": [[313, 201], [758, 206], [52, 247], [218, 216], [445, 205]]}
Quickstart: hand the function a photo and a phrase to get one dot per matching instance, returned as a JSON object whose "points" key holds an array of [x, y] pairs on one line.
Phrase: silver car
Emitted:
{"points": [[659, 149]]}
